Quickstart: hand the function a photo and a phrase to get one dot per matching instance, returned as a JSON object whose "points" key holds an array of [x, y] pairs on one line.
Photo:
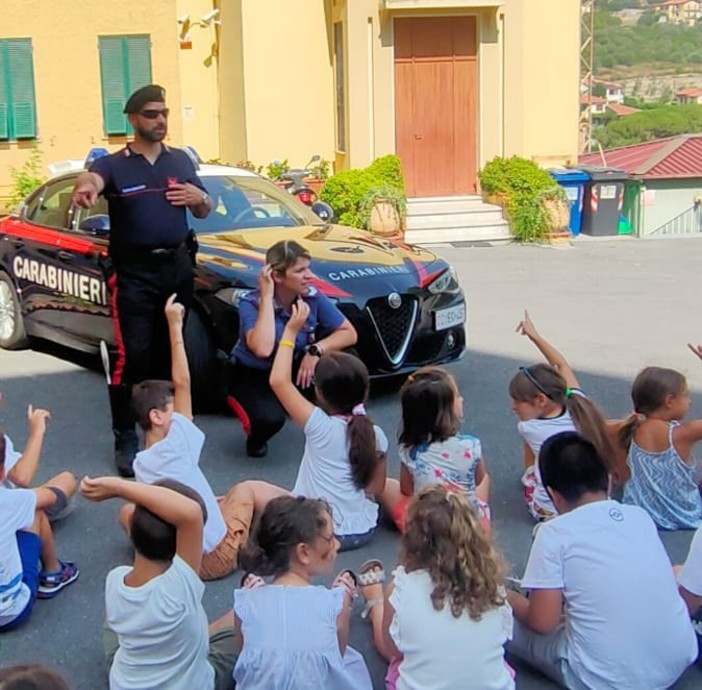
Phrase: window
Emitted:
{"points": [[18, 111], [53, 204], [340, 86], [125, 66]]}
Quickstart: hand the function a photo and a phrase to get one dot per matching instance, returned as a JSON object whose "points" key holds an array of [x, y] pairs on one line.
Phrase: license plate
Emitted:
{"points": [[447, 318]]}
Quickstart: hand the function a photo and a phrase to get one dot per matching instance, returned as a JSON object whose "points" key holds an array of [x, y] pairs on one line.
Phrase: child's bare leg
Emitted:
{"points": [[126, 512], [482, 491], [391, 495], [42, 528], [260, 493], [65, 481], [375, 593]]}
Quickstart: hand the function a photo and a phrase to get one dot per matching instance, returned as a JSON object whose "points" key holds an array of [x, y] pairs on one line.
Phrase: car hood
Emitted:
{"points": [[347, 262]]}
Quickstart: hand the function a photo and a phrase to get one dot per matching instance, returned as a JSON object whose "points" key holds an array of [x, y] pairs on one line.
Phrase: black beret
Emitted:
{"points": [[153, 93]]}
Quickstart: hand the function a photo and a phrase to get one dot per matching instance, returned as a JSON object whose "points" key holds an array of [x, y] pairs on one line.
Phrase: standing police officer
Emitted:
{"points": [[148, 187]]}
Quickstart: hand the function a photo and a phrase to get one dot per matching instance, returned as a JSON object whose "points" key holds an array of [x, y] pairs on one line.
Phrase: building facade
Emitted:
{"points": [[446, 84]]}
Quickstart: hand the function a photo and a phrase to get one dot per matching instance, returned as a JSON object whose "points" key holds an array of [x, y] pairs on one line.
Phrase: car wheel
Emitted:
{"points": [[12, 333], [206, 388]]}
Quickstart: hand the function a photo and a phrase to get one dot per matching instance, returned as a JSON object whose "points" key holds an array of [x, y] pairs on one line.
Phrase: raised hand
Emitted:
{"points": [[526, 327], [175, 311], [298, 315], [36, 419], [695, 349]]}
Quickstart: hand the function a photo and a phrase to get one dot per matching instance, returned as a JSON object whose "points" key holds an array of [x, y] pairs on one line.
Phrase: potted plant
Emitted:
{"points": [[275, 170], [556, 208], [383, 210], [319, 174]]}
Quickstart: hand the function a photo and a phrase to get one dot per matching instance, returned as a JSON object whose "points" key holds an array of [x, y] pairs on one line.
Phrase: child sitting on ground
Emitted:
{"points": [[344, 459], [690, 579], [26, 540], [295, 635], [431, 449], [172, 451], [547, 399], [444, 620], [156, 628], [664, 475], [21, 468], [603, 609]]}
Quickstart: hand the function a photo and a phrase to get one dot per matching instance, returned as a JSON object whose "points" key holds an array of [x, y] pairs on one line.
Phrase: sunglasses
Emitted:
{"points": [[150, 114]]}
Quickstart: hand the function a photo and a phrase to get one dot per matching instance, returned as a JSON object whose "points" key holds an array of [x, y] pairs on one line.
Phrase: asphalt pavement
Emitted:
{"points": [[612, 307]]}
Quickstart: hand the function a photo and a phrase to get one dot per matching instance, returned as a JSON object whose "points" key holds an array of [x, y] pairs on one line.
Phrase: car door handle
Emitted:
{"points": [[65, 256]]}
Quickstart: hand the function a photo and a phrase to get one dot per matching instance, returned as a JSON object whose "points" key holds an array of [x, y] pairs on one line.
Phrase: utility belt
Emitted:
{"points": [[155, 256]]}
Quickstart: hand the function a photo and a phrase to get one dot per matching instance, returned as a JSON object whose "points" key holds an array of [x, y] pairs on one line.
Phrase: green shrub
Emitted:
{"points": [[346, 191], [276, 169], [513, 175], [27, 178]]}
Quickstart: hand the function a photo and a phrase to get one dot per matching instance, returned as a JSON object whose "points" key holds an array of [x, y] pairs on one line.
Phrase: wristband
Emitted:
{"points": [[287, 343]]}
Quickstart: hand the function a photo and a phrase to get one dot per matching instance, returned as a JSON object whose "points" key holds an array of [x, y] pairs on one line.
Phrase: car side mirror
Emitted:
{"points": [[324, 211], [96, 225]]}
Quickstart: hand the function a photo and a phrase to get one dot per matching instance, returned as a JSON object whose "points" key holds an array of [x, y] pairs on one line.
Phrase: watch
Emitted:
{"points": [[205, 198], [313, 350]]}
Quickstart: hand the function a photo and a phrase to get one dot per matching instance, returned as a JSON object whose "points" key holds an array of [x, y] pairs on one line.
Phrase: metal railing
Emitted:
{"points": [[687, 223]]}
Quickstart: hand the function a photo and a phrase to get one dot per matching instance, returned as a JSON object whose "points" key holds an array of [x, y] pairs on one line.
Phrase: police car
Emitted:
{"points": [[404, 301]]}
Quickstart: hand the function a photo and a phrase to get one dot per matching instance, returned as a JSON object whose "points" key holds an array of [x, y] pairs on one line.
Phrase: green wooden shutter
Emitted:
{"points": [[23, 103], [138, 49], [114, 87], [4, 95]]}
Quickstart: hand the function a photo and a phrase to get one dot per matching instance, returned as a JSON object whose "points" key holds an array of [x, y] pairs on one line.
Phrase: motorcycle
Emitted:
{"points": [[295, 185]]}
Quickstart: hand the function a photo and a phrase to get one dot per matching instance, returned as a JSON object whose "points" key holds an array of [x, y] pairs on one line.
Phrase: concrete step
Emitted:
{"points": [[446, 220], [486, 233], [454, 219]]}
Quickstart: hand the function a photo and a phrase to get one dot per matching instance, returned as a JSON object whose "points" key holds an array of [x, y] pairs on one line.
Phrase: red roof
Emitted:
{"points": [[622, 110], [673, 157], [692, 93], [585, 99], [610, 84]]}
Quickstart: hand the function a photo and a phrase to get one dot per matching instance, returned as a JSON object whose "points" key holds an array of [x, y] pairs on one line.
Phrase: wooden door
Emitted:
{"points": [[436, 87]]}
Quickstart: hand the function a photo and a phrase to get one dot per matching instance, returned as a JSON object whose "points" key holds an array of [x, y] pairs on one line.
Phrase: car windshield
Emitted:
{"points": [[249, 203]]}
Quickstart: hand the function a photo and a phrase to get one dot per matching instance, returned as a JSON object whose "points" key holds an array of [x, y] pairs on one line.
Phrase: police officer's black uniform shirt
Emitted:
{"points": [[140, 215]]}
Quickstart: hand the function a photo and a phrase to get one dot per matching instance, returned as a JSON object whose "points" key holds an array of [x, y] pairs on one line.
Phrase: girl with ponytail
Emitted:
{"points": [[345, 453], [548, 400], [295, 634]]}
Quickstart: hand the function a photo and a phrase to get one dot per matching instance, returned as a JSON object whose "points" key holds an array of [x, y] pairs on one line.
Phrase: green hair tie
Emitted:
{"points": [[569, 392]]}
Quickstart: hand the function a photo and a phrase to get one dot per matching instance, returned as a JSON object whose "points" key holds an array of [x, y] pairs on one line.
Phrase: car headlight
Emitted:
{"points": [[231, 295], [446, 282]]}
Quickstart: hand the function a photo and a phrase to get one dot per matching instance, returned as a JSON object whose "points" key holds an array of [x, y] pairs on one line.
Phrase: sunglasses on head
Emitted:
{"points": [[152, 114]]}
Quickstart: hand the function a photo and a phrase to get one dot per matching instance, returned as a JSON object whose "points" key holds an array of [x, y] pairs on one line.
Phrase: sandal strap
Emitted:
{"points": [[371, 577], [369, 605]]}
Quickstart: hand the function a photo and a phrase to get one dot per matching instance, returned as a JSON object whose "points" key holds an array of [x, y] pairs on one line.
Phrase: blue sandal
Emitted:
{"points": [[50, 584]]}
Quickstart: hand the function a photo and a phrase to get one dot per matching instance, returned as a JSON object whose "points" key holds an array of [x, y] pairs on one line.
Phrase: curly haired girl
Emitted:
{"points": [[444, 619]]}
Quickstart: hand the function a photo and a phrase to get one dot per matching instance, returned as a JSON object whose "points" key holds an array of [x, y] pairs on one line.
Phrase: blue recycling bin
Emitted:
{"points": [[573, 181]]}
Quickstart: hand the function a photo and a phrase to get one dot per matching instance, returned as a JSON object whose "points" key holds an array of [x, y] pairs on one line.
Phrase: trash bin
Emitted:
{"points": [[573, 181], [604, 200]]}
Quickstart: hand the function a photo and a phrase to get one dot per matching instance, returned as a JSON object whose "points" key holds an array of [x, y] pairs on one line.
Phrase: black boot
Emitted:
{"points": [[126, 439]]}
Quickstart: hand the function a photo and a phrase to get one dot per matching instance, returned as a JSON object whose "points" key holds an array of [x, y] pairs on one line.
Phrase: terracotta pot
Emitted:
{"points": [[315, 184], [496, 198], [385, 221], [557, 214]]}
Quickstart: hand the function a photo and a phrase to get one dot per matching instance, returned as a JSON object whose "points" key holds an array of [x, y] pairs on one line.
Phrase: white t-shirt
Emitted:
{"points": [[627, 628], [11, 459], [325, 472], [162, 631], [442, 652], [176, 457], [535, 432], [690, 576], [17, 507]]}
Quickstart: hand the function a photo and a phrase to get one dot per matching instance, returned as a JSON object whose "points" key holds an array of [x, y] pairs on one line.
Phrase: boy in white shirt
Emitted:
{"points": [[21, 468], [603, 609], [156, 628], [172, 451], [26, 540]]}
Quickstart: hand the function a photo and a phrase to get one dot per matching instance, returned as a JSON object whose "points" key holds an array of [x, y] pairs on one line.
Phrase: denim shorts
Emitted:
{"points": [[349, 542], [29, 546]]}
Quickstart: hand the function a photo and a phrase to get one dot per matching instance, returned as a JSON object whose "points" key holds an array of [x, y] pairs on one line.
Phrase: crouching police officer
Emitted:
{"points": [[148, 187]]}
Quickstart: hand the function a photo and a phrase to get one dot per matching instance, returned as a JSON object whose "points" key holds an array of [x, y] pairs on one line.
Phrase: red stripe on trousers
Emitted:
{"points": [[121, 354], [240, 412]]}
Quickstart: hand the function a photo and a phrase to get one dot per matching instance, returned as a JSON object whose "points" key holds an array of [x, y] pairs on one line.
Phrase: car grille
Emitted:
{"points": [[394, 326]]}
